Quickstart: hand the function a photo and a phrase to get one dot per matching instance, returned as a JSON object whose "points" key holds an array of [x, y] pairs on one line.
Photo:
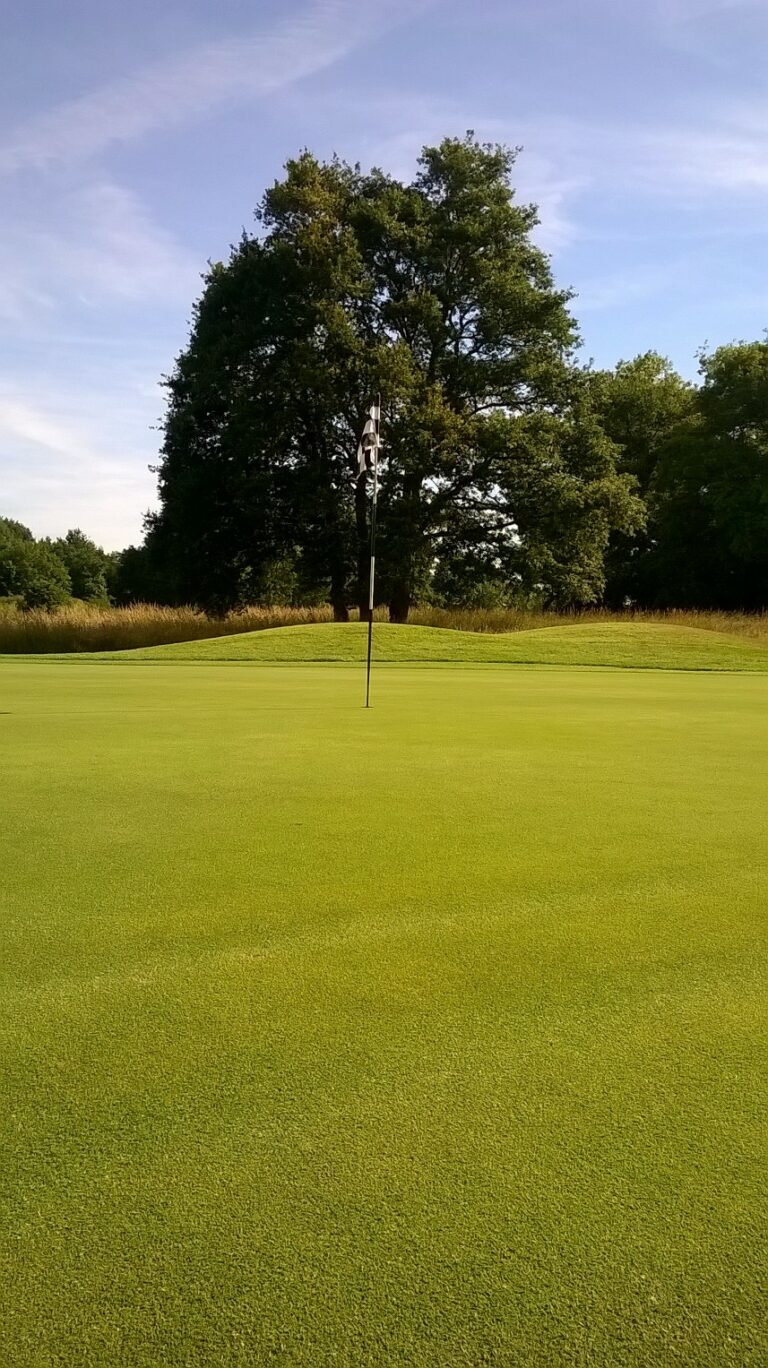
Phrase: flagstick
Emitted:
{"points": [[373, 557]]}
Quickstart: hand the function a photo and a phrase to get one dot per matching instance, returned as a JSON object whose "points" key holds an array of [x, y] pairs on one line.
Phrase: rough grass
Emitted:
{"points": [[83, 627], [433, 1036], [752, 625], [626, 645]]}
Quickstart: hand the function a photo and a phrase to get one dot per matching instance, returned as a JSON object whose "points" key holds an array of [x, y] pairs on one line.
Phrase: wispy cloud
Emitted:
{"points": [[617, 289], [187, 87], [685, 11], [81, 246], [726, 148], [106, 245], [95, 245], [688, 160], [76, 411], [69, 462], [685, 161]]}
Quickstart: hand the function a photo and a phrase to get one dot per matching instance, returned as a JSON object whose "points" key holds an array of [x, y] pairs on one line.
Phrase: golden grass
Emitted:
{"points": [[753, 625], [79, 627]]}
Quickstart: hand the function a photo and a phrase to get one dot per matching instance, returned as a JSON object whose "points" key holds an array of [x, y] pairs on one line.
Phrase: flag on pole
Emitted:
{"points": [[370, 444], [368, 460]]}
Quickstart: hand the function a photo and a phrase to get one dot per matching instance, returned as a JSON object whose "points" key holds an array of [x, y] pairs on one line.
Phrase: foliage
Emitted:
{"points": [[710, 490], [640, 405], [700, 454], [511, 476], [88, 566], [134, 576], [13, 530], [44, 574], [30, 570], [434, 294]]}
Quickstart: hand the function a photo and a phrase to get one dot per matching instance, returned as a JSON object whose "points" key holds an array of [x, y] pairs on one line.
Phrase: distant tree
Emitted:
{"points": [[541, 529], [9, 527], [87, 565], [133, 577], [30, 570], [641, 405], [435, 294], [710, 489]]}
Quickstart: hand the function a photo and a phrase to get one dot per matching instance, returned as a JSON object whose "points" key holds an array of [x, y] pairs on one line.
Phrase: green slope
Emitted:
{"points": [[636, 645], [428, 1037]]}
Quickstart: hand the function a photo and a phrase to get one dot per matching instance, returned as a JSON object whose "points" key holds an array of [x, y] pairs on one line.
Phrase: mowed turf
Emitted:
{"points": [[433, 1035], [629, 645], [632, 645]]}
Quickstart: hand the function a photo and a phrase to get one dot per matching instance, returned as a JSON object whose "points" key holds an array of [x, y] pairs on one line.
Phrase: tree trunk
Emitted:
{"points": [[338, 596], [399, 603]]}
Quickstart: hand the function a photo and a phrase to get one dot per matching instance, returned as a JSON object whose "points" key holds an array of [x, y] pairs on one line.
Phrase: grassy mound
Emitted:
{"points": [[629, 645]]}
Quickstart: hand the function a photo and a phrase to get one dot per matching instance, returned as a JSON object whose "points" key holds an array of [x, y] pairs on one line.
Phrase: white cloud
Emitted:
{"points": [[70, 461], [107, 245], [187, 87], [725, 154], [539, 180], [616, 289], [686, 11], [20, 297], [686, 161], [95, 244]]}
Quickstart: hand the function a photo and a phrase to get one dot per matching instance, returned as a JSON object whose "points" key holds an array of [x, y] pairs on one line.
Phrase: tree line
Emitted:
{"points": [[511, 471], [46, 573]]}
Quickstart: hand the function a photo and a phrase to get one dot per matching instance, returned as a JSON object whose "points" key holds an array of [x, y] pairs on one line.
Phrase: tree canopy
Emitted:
{"points": [[44, 574], [29, 570], [710, 489], [434, 294], [87, 565], [700, 454], [511, 471]]}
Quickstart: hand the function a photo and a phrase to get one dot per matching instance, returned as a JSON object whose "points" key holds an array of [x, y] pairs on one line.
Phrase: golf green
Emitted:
{"points": [[433, 1035]]}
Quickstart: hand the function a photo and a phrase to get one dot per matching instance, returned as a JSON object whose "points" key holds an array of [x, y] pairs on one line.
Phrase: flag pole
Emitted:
{"points": [[372, 570]]}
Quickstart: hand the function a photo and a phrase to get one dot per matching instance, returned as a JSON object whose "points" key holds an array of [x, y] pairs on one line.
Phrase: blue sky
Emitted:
{"points": [[136, 139]]}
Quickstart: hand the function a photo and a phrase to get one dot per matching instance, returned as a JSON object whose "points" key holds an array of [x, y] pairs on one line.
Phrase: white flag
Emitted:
{"points": [[370, 444]]}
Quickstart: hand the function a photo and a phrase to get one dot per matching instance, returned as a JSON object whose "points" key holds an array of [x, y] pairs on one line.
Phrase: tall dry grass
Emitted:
{"points": [[754, 625], [79, 628], [82, 628]]}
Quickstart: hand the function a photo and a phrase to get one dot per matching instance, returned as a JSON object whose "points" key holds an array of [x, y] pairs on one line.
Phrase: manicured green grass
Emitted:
{"points": [[641, 645], [433, 1035], [634, 645]]}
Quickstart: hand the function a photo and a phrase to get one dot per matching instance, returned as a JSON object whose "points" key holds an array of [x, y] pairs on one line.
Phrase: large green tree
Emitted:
{"points": [[88, 566], [30, 571], [641, 405], [434, 294], [700, 456], [710, 490]]}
